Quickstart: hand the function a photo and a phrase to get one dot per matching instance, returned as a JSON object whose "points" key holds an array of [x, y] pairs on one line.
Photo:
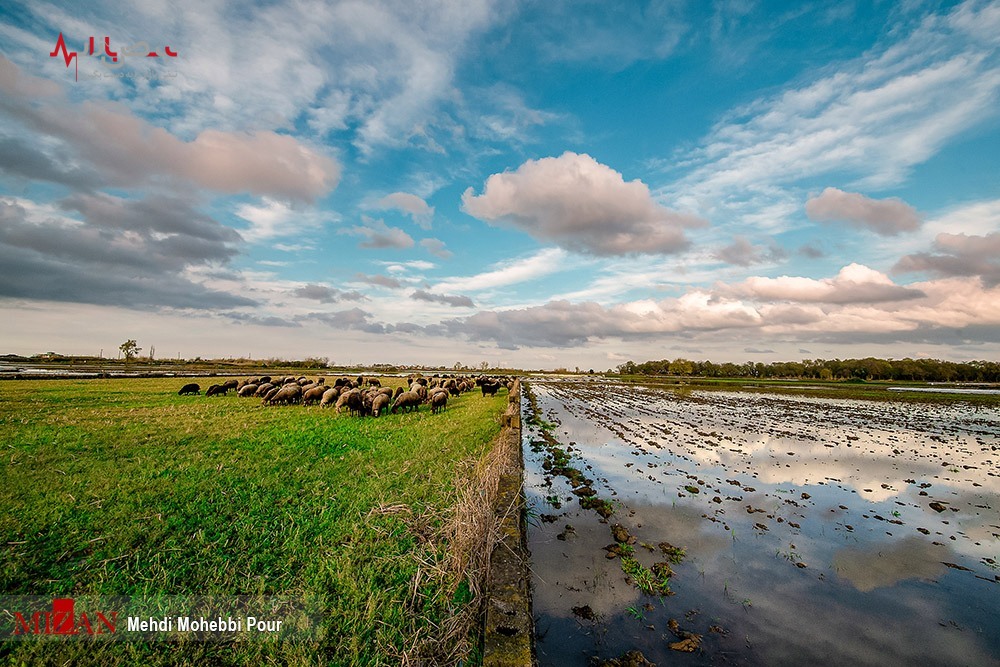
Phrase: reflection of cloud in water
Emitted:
{"points": [[881, 565]]}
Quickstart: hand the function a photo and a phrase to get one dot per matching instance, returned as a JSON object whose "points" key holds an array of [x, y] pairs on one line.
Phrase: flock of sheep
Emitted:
{"points": [[361, 396]]}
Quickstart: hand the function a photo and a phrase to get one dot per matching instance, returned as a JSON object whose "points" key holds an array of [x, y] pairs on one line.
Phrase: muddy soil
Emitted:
{"points": [[726, 528]]}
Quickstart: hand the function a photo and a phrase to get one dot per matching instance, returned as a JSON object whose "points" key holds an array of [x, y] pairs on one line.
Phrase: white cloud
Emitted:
{"points": [[872, 120], [416, 207], [581, 204], [542, 263]]}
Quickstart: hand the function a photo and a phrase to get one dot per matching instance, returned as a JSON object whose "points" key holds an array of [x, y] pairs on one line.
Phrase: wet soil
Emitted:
{"points": [[707, 528]]}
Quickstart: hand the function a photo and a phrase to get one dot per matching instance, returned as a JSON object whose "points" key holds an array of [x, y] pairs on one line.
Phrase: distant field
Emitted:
{"points": [[123, 487], [869, 391]]}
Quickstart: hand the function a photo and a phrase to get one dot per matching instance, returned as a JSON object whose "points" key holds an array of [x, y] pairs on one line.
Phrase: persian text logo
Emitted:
{"points": [[62, 620], [110, 59]]}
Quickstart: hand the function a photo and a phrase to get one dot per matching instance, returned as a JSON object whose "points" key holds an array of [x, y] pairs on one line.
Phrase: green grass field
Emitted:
{"points": [[123, 487]]}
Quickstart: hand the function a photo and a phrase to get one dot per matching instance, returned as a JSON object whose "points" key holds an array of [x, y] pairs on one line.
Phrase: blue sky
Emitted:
{"points": [[532, 184]]}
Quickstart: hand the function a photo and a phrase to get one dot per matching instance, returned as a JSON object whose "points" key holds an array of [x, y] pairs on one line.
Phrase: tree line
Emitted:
{"points": [[869, 368]]}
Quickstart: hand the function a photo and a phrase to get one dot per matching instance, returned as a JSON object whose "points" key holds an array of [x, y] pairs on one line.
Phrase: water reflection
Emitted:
{"points": [[811, 538]]}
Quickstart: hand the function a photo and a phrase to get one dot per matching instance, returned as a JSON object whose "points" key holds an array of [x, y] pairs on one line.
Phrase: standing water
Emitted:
{"points": [[757, 529]]}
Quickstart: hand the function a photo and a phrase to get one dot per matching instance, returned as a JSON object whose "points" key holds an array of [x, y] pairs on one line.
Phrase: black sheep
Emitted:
{"points": [[190, 388]]}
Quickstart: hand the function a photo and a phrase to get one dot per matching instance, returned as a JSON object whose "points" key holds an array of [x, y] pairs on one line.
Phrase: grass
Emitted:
{"points": [[122, 487]]}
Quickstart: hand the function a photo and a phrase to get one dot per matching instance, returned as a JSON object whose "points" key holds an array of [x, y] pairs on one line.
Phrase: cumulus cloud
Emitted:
{"points": [[958, 255], [887, 217], [457, 301], [743, 253], [853, 284], [325, 294], [413, 205], [857, 304], [437, 248], [380, 235], [128, 151], [580, 204]]}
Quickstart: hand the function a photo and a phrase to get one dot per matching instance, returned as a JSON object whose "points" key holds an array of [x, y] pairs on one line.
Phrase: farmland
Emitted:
{"points": [[122, 487]]}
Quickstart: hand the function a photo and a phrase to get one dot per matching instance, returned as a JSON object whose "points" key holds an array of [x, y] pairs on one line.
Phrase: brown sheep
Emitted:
{"points": [[262, 389], [287, 395], [313, 395], [350, 400], [408, 400], [190, 388], [380, 403], [438, 401], [231, 384], [329, 397], [247, 390], [216, 390], [270, 394]]}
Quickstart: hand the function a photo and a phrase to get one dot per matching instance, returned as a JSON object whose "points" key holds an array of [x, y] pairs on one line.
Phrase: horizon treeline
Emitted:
{"points": [[869, 368]]}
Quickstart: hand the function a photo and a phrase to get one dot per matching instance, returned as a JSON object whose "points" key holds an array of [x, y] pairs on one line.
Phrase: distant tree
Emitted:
{"points": [[484, 365], [129, 350], [681, 367], [152, 352]]}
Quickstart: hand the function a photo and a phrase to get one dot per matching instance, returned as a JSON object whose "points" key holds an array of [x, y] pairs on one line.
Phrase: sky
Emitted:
{"points": [[534, 184]]}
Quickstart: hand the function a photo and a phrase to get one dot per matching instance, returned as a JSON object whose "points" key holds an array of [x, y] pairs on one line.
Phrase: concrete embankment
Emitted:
{"points": [[509, 632]]}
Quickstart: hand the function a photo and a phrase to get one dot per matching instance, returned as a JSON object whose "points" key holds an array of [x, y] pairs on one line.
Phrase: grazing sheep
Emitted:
{"points": [[190, 388], [374, 382], [329, 397], [217, 390], [380, 403], [263, 388], [313, 395], [247, 390], [341, 382], [231, 384], [270, 394], [265, 379], [438, 401], [288, 394], [399, 390], [387, 391], [351, 400], [421, 391], [407, 400], [490, 388], [288, 379]]}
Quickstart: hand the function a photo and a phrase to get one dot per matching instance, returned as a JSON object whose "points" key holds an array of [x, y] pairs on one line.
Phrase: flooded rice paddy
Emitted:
{"points": [[761, 529]]}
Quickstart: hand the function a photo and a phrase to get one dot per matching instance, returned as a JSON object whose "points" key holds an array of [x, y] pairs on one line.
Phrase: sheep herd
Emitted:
{"points": [[360, 396]]}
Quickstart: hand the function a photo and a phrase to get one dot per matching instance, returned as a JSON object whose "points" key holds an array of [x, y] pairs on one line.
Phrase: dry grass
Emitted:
{"points": [[455, 564]]}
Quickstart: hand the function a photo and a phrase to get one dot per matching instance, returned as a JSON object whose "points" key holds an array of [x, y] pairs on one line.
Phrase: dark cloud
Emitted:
{"points": [[325, 294], [352, 318], [262, 320], [458, 301], [958, 255], [380, 235], [811, 251], [127, 253], [754, 350], [381, 281], [743, 253], [22, 159]]}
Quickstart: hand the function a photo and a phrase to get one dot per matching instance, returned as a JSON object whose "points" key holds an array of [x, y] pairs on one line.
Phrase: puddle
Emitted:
{"points": [[815, 531]]}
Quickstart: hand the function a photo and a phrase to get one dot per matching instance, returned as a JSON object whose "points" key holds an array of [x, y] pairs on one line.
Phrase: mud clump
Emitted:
{"points": [[937, 507], [621, 534], [584, 612], [568, 531], [629, 659], [689, 642]]}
